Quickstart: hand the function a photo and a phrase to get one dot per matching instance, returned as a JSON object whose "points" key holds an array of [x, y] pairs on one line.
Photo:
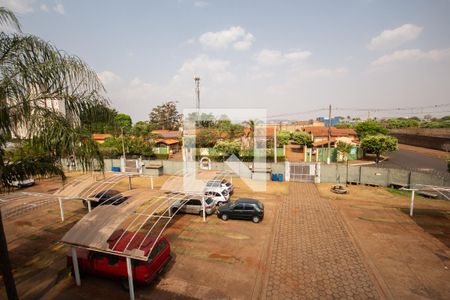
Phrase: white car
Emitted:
{"points": [[217, 183], [23, 183], [220, 196]]}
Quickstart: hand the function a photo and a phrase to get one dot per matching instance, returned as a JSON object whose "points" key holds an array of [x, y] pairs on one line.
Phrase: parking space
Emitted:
{"points": [[216, 259]]}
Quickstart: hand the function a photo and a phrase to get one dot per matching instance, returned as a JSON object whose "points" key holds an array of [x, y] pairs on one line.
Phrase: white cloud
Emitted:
{"points": [[273, 57], [108, 77], [203, 65], [235, 36], [411, 55], [59, 8], [18, 6], [44, 8], [200, 3], [392, 38]]}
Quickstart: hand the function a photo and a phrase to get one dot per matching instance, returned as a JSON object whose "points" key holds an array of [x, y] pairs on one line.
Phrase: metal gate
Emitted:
{"points": [[302, 172]]}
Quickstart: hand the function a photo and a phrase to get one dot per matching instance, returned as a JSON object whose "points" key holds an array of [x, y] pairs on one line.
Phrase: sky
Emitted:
{"points": [[292, 58]]}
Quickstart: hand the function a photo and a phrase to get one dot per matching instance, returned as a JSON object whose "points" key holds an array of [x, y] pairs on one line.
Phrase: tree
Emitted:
{"points": [[227, 148], [301, 138], [142, 129], [206, 137], [34, 77], [202, 120], [369, 127], [283, 137], [98, 119], [251, 125], [123, 121], [379, 144], [344, 148], [166, 116]]}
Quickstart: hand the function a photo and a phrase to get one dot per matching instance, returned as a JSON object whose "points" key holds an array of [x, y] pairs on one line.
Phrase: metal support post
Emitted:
{"points": [[61, 209], [411, 209], [151, 182], [76, 270], [129, 183], [204, 209], [130, 278], [89, 205]]}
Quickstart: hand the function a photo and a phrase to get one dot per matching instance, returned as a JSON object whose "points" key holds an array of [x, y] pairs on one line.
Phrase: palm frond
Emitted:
{"points": [[7, 17]]}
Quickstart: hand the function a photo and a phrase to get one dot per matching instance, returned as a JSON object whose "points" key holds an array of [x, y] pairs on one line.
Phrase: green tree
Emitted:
{"points": [[133, 146], [378, 145], [301, 138], [166, 116], [227, 148], [123, 121], [283, 137], [369, 127], [98, 119], [34, 77], [206, 137], [142, 129], [344, 148]]}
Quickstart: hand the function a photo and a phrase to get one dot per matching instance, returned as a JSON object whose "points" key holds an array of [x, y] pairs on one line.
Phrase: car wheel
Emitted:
{"points": [[85, 203], [224, 217], [255, 219], [220, 203], [200, 213]]}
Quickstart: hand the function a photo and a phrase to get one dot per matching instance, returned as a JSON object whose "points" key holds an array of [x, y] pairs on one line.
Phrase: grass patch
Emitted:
{"points": [[399, 192]]}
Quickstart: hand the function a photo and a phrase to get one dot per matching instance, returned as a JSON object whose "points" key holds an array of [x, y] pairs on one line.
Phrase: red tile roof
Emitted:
{"points": [[100, 136], [321, 131]]}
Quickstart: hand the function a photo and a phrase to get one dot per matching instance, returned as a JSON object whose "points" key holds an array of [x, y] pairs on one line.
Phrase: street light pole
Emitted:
{"points": [[329, 135], [123, 144]]}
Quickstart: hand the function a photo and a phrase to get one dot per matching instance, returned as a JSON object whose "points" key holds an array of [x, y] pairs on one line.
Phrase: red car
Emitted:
{"points": [[113, 266]]}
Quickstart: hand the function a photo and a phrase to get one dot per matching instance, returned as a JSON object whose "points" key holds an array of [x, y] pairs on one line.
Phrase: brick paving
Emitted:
{"points": [[312, 255]]}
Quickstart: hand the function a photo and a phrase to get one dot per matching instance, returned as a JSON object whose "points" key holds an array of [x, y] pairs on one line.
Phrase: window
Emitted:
{"points": [[195, 202], [209, 201], [249, 207], [158, 248], [239, 206]]}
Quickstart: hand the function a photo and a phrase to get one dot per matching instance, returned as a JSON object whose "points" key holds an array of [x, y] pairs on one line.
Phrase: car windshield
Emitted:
{"points": [[209, 201]]}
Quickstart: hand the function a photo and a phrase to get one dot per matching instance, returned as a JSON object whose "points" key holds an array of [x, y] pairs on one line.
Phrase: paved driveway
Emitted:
{"points": [[403, 158], [312, 255]]}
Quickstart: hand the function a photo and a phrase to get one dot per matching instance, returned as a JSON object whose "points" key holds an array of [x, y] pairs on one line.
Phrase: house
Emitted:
{"points": [[100, 137], [173, 145], [168, 134], [168, 139], [319, 135]]}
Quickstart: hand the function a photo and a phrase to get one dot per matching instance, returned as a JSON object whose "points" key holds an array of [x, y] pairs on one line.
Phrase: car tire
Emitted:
{"points": [[200, 213], [224, 217], [85, 203], [256, 219]]}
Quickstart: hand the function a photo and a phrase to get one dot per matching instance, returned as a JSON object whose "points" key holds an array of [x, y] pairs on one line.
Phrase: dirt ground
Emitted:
{"points": [[410, 257], [205, 254]]}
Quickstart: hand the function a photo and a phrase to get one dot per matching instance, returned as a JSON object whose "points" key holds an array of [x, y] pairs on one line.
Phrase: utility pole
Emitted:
{"points": [[123, 144], [197, 92], [275, 148], [329, 135], [5, 265]]}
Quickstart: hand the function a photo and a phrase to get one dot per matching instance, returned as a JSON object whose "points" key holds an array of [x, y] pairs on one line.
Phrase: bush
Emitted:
{"points": [[162, 156]]}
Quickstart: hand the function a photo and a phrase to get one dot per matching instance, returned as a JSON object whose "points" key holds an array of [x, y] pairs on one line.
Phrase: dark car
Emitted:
{"points": [[243, 208], [109, 197]]}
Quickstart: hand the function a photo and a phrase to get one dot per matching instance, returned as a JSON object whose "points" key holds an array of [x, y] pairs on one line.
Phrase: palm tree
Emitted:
{"points": [[34, 75]]}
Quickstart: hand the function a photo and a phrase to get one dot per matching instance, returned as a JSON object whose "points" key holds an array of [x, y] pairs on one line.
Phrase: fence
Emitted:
{"points": [[379, 176], [333, 173]]}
